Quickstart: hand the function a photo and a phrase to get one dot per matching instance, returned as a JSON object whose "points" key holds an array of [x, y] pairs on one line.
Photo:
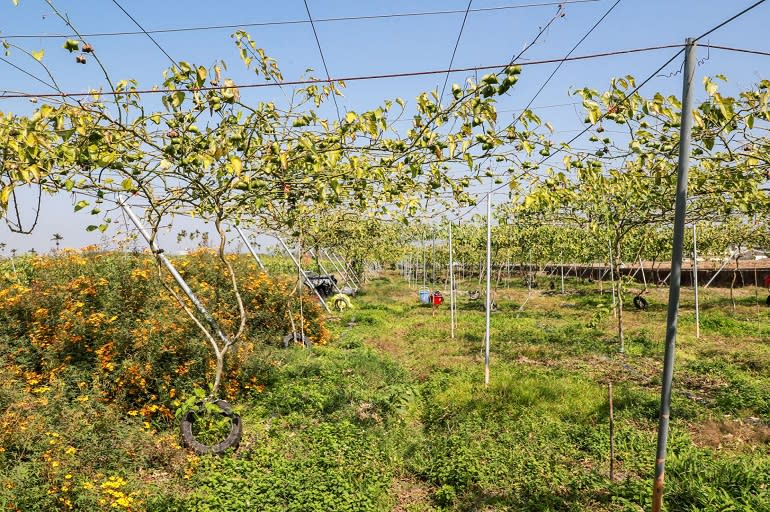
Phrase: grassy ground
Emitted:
{"points": [[393, 415], [537, 438], [412, 428]]}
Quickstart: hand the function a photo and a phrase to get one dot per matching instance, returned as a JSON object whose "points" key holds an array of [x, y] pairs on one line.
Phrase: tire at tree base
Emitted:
{"points": [[640, 303], [232, 440], [767, 301], [293, 337]]}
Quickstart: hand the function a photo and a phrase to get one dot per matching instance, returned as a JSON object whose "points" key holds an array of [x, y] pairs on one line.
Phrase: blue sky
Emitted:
{"points": [[378, 46]]}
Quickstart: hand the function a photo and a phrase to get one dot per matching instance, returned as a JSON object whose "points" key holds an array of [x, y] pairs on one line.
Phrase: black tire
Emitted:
{"points": [[768, 300], [640, 303], [294, 337], [231, 441]]}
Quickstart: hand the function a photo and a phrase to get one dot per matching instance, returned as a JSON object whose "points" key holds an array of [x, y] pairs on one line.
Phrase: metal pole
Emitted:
{"points": [[733, 255], [323, 269], [353, 278], [695, 278], [561, 267], [302, 273], [250, 248], [612, 282], [489, 288], [172, 270], [344, 274], [451, 286], [676, 273]]}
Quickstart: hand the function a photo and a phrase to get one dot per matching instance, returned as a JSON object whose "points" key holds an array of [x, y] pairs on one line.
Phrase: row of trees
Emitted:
{"points": [[350, 183]]}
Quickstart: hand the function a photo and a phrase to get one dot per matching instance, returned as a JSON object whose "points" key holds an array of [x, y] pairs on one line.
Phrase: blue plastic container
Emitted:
{"points": [[425, 296]]}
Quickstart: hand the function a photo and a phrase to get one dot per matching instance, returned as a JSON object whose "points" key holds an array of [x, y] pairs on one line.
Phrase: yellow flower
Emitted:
{"points": [[88, 485], [70, 451], [67, 476], [82, 398]]}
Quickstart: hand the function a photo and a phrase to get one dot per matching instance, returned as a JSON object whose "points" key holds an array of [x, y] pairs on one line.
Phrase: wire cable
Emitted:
{"points": [[359, 77], [585, 36], [31, 75], [299, 22], [730, 19], [144, 31], [457, 44], [323, 61], [637, 88]]}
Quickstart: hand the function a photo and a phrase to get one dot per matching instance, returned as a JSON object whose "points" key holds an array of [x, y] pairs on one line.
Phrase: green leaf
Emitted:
{"points": [[71, 45], [91, 228], [81, 204]]}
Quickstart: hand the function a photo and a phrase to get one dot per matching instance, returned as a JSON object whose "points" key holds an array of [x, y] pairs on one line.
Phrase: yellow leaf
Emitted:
{"points": [[5, 193], [38, 55], [236, 164]]}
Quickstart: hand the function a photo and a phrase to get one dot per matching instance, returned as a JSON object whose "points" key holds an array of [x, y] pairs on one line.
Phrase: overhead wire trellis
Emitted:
{"points": [[299, 21]]}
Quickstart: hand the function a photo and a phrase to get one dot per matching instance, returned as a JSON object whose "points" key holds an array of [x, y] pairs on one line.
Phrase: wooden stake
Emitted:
{"points": [[612, 435]]}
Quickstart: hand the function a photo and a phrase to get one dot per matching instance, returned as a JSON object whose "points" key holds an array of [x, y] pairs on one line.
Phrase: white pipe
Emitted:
{"points": [[489, 288], [172, 270], [451, 287], [695, 278], [304, 275], [250, 248]]}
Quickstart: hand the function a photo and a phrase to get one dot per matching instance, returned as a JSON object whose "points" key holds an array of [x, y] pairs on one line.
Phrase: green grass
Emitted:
{"points": [[394, 415]]}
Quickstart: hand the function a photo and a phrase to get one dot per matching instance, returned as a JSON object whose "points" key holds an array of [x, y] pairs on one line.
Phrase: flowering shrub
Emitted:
{"points": [[105, 321]]}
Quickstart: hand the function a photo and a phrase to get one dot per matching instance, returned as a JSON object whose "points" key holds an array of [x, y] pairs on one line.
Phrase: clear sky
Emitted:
{"points": [[373, 46]]}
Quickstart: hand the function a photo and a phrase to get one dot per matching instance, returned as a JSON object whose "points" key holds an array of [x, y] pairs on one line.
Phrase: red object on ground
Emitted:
{"points": [[436, 298], [767, 281]]}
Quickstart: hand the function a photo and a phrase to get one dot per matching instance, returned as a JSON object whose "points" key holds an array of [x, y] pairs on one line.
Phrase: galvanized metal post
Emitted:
{"points": [[561, 267], [451, 286], [612, 282], [342, 272], [303, 274], [353, 278], [695, 278], [172, 270], [489, 288], [676, 273], [250, 248], [323, 269]]}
